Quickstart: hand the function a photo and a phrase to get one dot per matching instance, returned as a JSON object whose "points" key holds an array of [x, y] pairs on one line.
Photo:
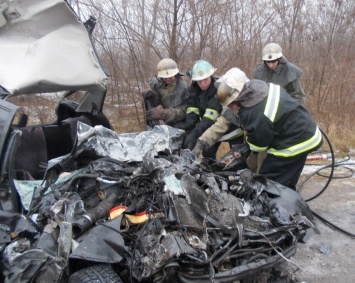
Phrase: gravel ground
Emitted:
{"points": [[329, 256]]}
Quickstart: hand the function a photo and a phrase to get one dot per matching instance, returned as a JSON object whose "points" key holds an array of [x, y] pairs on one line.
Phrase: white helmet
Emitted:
{"points": [[228, 91], [271, 52], [167, 68], [202, 70], [234, 73]]}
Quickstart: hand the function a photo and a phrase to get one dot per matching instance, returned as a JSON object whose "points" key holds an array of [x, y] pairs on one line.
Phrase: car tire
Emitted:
{"points": [[99, 273]]}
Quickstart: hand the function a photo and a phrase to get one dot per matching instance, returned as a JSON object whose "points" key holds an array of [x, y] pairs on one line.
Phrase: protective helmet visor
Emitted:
{"points": [[228, 91]]}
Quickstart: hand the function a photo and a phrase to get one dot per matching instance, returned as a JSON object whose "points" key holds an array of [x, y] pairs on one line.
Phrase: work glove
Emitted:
{"points": [[148, 93], [190, 140], [199, 147], [180, 125], [152, 96], [158, 113], [189, 123]]}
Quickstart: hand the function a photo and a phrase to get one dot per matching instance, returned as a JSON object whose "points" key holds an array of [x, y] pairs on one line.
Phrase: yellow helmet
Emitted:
{"points": [[167, 68], [228, 91], [271, 52]]}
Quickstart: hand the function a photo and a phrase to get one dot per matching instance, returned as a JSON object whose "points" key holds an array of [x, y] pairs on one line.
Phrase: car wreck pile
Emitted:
{"points": [[136, 208]]}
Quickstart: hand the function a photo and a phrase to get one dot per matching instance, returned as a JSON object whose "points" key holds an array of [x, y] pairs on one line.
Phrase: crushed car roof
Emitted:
{"points": [[44, 47]]}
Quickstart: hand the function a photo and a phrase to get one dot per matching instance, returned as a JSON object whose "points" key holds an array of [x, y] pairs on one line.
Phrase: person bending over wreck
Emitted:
{"points": [[169, 94], [273, 122], [227, 127]]}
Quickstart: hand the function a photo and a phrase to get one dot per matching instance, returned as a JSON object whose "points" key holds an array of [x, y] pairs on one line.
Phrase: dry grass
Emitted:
{"points": [[341, 137], [337, 123], [339, 128]]}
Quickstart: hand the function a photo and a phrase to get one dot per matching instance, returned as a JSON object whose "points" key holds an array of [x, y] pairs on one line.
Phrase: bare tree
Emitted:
{"points": [[132, 36]]}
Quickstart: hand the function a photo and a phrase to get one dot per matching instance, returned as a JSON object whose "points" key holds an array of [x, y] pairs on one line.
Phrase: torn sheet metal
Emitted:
{"points": [[129, 147], [180, 219]]}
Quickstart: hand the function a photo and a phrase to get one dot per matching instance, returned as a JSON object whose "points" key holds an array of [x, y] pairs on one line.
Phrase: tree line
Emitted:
{"points": [[318, 36]]}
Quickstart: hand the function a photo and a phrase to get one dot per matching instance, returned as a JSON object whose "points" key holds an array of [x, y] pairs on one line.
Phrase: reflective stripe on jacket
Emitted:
{"points": [[232, 135], [203, 108], [193, 110], [211, 114], [302, 147], [280, 125]]}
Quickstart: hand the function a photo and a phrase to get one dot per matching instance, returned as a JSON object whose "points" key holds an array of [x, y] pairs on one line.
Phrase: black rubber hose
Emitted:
{"points": [[89, 218], [331, 171], [330, 177], [352, 172], [333, 225]]}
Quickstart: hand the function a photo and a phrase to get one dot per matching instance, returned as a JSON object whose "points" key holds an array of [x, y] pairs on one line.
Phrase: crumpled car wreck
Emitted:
{"points": [[81, 203], [136, 208]]}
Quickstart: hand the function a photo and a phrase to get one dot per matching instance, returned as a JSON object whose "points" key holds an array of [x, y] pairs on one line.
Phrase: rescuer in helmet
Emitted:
{"points": [[228, 126], [203, 107], [273, 122], [277, 70], [169, 93]]}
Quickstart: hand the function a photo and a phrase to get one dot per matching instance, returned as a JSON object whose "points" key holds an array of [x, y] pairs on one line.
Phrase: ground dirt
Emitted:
{"points": [[329, 256]]}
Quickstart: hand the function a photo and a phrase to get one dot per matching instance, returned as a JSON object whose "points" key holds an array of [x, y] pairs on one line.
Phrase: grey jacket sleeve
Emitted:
{"points": [[177, 114], [216, 131], [296, 91]]}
